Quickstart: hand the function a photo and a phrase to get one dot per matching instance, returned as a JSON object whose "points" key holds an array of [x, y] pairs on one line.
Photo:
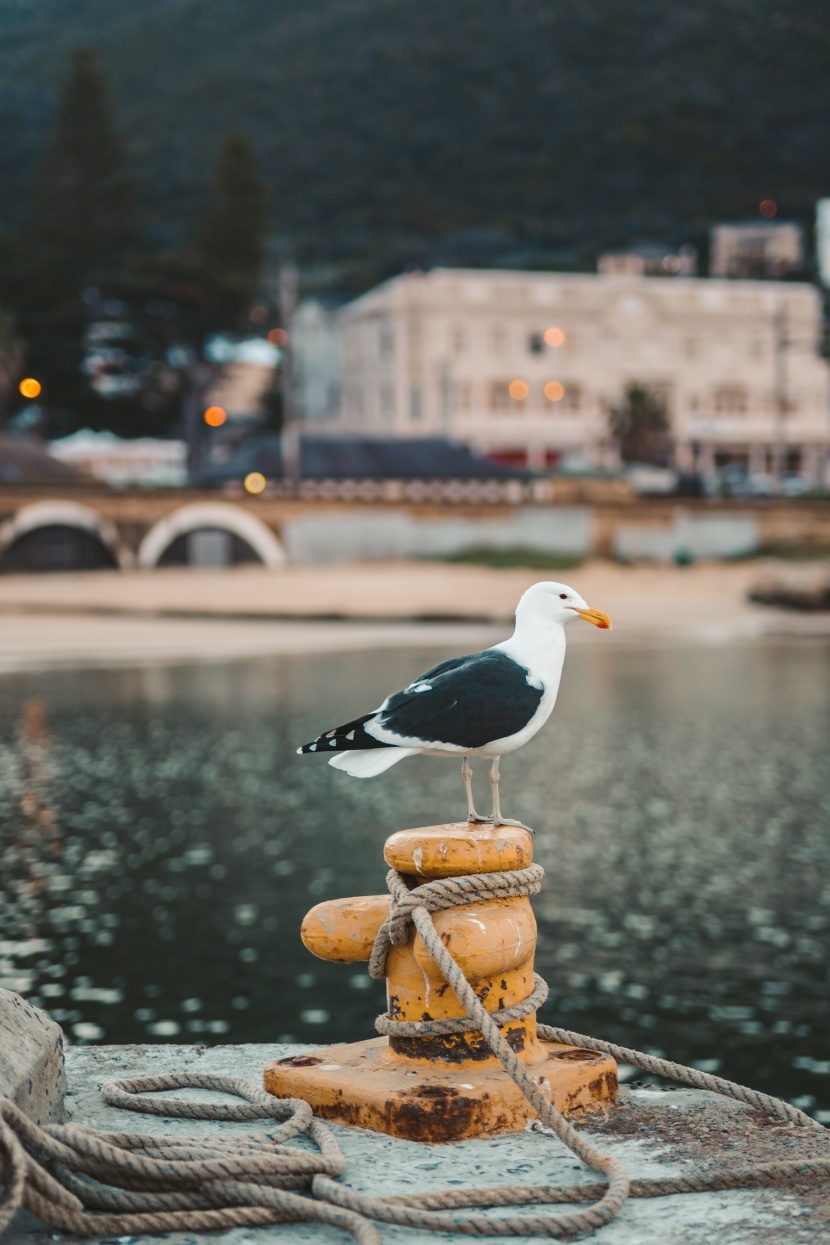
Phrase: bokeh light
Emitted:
{"points": [[215, 416], [554, 390], [278, 337], [554, 336], [768, 208], [518, 390], [254, 482], [258, 314], [30, 388]]}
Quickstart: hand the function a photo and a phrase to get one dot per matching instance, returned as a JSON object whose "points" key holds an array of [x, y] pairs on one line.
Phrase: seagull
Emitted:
{"points": [[484, 705]]}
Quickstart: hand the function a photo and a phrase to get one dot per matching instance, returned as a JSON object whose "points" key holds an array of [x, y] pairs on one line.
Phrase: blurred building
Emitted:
{"points": [[757, 249], [315, 333], [247, 376], [649, 261], [823, 240], [524, 367], [144, 461]]}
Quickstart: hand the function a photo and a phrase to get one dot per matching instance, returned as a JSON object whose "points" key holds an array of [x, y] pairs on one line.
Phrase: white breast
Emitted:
{"points": [[543, 662]]}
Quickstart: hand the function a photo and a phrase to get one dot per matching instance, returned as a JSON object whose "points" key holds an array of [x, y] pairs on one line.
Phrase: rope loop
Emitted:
{"points": [[257, 1104], [440, 894], [387, 1027]]}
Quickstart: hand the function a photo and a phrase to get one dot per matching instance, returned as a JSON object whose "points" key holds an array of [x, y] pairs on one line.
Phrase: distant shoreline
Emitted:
{"points": [[184, 615]]}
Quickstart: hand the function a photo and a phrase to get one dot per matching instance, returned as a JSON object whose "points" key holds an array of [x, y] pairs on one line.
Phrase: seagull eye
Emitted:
{"points": [[563, 596]]}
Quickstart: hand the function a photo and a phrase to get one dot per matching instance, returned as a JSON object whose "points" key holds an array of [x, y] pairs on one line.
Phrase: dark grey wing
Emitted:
{"points": [[352, 736], [467, 702]]}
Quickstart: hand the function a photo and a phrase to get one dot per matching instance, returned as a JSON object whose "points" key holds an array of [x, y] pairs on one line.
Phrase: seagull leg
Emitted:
{"points": [[467, 775], [496, 817]]}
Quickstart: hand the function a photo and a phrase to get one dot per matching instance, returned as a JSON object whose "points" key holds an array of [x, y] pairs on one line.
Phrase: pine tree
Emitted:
{"points": [[234, 229], [11, 360], [83, 219]]}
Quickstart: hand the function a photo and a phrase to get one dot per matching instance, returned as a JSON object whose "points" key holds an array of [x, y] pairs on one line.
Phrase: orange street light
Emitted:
{"points": [[30, 388], [554, 337], [518, 390], [215, 416], [554, 391], [278, 337]]}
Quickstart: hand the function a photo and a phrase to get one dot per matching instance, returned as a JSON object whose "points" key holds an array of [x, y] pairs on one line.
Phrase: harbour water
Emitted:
{"points": [[160, 842]]}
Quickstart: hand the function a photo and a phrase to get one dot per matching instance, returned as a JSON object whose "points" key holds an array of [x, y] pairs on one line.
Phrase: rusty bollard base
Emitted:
{"points": [[364, 1084], [451, 1087]]}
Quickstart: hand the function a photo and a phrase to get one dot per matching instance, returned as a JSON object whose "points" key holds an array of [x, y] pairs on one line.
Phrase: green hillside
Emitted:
{"points": [[528, 128]]}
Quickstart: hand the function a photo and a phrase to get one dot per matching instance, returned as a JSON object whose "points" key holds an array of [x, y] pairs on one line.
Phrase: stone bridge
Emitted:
{"points": [[94, 528]]}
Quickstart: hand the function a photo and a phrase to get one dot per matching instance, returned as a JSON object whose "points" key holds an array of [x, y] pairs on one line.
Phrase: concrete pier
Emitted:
{"points": [[654, 1132]]}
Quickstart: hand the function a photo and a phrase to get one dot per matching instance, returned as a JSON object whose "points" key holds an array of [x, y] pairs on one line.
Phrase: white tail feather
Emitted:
{"points": [[367, 762]]}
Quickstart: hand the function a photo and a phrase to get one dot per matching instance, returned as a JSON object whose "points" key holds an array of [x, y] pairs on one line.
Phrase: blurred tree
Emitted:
{"points": [[640, 425], [81, 237], [11, 361], [233, 231], [83, 221]]}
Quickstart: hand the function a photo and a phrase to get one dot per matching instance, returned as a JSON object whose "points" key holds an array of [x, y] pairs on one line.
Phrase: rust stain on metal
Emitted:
{"points": [[573, 1054], [443, 1047], [516, 1038], [430, 1091]]}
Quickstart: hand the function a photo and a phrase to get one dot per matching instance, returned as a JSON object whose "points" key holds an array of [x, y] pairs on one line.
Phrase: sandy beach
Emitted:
{"points": [[181, 614]]}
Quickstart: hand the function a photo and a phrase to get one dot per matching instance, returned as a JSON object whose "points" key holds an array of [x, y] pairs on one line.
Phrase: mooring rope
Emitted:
{"points": [[95, 1183]]}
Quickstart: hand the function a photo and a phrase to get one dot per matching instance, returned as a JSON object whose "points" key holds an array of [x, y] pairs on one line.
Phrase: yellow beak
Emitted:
{"points": [[596, 617]]}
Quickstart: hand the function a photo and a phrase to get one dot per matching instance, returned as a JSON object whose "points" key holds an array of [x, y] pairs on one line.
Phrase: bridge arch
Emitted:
{"points": [[60, 536], [171, 537]]}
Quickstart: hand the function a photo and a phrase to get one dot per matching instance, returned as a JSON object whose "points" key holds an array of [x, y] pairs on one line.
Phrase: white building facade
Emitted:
{"points": [[526, 366]]}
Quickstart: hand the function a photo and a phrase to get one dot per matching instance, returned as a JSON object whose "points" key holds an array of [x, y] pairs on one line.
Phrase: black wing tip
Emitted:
{"points": [[314, 745], [349, 737]]}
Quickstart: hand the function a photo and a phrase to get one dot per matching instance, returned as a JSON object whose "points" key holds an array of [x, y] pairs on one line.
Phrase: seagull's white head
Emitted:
{"points": [[552, 602]]}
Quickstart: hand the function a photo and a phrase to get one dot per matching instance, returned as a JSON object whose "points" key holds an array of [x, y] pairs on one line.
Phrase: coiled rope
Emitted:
{"points": [[95, 1183]]}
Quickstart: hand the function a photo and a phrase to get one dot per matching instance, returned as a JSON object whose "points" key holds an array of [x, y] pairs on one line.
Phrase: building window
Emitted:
{"points": [[499, 395], [415, 411], [730, 400], [458, 340], [536, 343], [572, 401], [333, 397], [386, 340]]}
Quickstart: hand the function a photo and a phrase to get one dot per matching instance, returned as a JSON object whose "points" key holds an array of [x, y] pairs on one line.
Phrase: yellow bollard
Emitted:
{"points": [[448, 1086]]}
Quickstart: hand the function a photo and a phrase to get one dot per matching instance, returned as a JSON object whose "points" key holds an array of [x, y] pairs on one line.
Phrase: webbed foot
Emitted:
{"points": [[510, 821]]}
